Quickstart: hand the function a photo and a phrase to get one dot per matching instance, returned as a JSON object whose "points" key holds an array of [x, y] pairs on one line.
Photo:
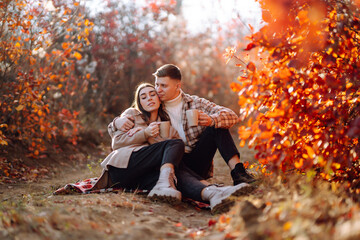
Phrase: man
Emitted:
{"points": [[202, 141]]}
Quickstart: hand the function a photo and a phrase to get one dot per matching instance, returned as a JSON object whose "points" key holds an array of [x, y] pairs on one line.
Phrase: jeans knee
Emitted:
{"points": [[177, 143], [222, 130], [217, 131]]}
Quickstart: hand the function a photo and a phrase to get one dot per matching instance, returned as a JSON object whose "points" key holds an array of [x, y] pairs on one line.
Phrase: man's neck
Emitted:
{"points": [[175, 99]]}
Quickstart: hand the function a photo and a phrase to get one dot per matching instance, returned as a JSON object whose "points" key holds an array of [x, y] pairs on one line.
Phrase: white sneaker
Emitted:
{"points": [[223, 198], [165, 189], [165, 194]]}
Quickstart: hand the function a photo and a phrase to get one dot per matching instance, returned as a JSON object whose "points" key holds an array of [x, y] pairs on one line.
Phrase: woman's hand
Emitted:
{"points": [[152, 130], [131, 132]]}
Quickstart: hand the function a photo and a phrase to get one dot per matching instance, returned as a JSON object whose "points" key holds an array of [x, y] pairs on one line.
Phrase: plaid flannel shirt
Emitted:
{"points": [[223, 117]]}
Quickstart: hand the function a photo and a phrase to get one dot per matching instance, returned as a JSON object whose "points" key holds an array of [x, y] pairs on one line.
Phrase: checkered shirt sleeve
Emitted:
{"points": [[223, 117]]}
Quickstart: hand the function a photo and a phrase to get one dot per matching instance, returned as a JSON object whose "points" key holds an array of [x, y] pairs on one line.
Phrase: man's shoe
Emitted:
{"points": [[240, 175], [223, 198]]}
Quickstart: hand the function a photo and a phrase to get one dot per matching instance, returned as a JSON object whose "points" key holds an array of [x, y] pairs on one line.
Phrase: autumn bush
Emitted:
{"points": [[301, 102], [40, 45]]}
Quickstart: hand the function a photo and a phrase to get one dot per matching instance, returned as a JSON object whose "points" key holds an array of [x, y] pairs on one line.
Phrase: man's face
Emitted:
{"points": [[167, 88]]}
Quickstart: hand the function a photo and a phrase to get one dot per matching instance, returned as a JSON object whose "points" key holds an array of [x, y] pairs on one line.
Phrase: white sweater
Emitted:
{"points": [[174, 110]]}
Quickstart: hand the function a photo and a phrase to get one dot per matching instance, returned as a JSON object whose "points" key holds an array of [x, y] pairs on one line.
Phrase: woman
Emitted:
{"points": [[142, 159]]}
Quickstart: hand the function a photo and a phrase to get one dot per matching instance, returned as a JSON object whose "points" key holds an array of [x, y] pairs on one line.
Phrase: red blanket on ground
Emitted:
{"points": [[86, 186]]}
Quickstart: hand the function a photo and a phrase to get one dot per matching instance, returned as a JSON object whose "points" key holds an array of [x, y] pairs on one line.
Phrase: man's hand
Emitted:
{"points": [[124, 123], [152, 130], [204, 119]]}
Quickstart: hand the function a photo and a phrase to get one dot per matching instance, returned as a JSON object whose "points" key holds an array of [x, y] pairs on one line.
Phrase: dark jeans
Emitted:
{"points": [[189, 183], [200, 159], [144, 165]]}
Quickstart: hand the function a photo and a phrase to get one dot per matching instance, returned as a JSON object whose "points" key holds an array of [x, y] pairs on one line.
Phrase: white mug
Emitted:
{"points": [[192, 116]]}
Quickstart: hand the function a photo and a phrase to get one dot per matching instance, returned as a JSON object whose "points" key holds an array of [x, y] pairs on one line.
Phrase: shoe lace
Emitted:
{"points": [[217, 184], [172, 180], [248, 173]]}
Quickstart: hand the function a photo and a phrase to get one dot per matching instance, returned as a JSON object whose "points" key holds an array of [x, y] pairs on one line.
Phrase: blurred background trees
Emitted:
{"points": [[130, 41], [69, 67]]}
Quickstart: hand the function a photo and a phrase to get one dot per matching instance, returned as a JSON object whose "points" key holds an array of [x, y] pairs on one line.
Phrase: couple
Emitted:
{"points": [[176, 166]]}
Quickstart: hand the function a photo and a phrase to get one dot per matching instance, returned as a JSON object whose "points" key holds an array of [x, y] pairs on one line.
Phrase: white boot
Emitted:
{"points": [[165, 189], [223, 198]]}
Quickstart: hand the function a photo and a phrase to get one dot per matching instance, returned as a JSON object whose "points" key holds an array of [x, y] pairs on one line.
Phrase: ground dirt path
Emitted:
{"points": [[31, 211], [288, 207]]}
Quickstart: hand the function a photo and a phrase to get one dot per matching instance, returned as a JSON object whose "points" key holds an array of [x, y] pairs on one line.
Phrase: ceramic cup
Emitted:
{"points": [[192, 116], [164, 129]]}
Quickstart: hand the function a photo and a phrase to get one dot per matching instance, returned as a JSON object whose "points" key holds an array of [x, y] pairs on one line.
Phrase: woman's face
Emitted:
{"points": [[149, 99]]}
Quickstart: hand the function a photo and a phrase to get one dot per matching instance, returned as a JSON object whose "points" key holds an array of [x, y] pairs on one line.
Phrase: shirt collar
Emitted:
{"points": [[187, 98], [175, 101]]}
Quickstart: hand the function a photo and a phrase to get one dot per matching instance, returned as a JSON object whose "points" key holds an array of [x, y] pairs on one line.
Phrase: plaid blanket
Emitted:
{"points": [[87, 186]]}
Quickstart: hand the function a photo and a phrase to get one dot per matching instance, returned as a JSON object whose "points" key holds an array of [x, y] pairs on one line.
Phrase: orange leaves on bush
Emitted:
{"points": [[77, 55], [229, 53], [310, 151], [65, 45], [317, 12], [39, 60], [275, 113], [243, 100], [266, 135], [299, 163], [266, 15], [251, 67], [244, 133], [235, 86], [250, 46], [305, 98], [303, 16]]}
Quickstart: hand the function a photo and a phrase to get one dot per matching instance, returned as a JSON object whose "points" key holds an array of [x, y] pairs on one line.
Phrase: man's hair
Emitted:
{"points": [[168, 70]]}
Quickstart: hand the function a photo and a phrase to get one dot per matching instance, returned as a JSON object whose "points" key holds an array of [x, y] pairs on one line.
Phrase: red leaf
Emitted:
{"points": [[250, 46], [211, 222], [251, 66]]}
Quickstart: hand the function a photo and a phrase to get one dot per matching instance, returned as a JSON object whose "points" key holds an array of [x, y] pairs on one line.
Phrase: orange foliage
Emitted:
{"points": [[303, 96], [37, 62]]}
